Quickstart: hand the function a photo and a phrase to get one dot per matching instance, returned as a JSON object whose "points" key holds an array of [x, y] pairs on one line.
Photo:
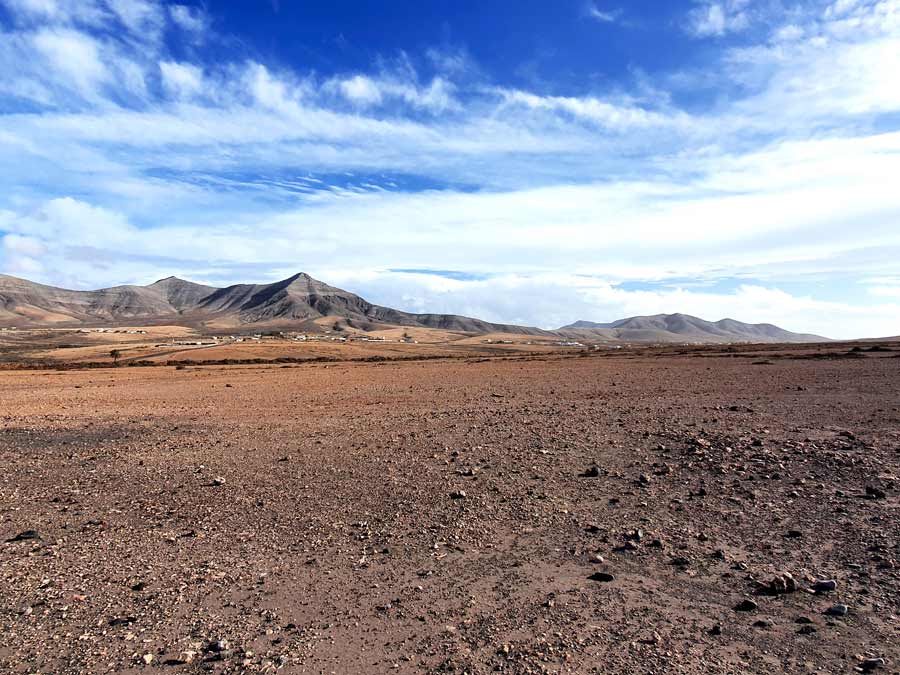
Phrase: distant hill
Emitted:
{"points": [[685, 328]]}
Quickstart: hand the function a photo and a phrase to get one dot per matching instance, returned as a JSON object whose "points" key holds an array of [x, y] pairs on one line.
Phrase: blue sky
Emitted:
{"points": [[526, 162]]}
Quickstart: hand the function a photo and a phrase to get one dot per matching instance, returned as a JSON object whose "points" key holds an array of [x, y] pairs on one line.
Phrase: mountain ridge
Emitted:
{"points": [[297, 301], [303, 302], [683, 327]]}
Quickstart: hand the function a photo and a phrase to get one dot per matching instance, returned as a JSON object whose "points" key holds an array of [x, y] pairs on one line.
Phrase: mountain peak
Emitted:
{"points": [[168, 281], [179, 293], [304, 278], [303, 282]]}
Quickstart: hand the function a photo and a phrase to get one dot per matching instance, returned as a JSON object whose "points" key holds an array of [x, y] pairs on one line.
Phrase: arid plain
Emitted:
{"points": [[630, 511]]}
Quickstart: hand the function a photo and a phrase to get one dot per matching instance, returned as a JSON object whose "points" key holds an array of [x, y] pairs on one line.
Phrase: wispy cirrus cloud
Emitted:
{"points": [[193, 20], [603, 15]]}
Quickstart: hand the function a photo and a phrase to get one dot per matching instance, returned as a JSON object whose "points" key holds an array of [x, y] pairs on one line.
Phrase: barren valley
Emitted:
{"points": [[691, 510]]}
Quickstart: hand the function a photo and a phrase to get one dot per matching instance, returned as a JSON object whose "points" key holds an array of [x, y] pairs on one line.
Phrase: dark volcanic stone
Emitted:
{"points": [[824, 586], [27, 535], [873, 492], [604, 577], [871, 664]]}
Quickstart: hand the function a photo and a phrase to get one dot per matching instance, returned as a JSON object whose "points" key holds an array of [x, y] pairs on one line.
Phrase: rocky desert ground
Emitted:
{"points": [[650, 511]]}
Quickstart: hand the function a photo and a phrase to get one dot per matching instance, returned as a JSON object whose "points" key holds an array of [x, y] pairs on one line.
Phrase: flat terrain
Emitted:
{"points": [[521, 514], [164, 344]]}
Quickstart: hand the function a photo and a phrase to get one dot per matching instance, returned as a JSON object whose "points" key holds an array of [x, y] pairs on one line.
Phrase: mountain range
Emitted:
{"points": [[303, 303], [686, 328], [298, 302]]}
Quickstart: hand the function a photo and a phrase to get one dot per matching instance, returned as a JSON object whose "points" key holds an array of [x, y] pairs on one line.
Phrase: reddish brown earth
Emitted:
{"points": [[430, 517]]}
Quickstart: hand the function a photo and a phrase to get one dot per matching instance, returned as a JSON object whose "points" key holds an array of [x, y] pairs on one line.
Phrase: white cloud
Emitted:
{"points": [[603, 16], [451, 62], [719, 18], [272, 92], [140, 20], [438, 96], [26, 246], [190, 19], [788, 33], [181, 80], [884, 287], [74, 55], [141, 17], [66, 218], [611, 115], [360, 90], [33, 8], [823, 69], [363, 91], [886, 291], [59, 12], [841, 8], [131, 76]]}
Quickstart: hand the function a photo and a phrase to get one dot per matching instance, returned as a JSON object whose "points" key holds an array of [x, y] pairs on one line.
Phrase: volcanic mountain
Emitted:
{"points": [[299, 301], [684, 328]]}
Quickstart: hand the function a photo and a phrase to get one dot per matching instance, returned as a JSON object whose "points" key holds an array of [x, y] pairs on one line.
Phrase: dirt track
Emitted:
{"points": [[432, 517]]}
